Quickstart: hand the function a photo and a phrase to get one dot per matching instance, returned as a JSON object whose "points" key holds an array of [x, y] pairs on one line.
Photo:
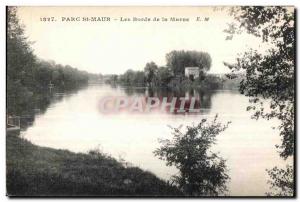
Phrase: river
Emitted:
{"points": [[76, 123]]}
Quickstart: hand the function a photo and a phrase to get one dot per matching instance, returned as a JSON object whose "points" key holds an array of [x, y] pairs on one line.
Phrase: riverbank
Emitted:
{"points": [[39, 171]]}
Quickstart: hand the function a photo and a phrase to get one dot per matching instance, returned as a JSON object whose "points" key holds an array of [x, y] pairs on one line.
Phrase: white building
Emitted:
{"points": [[192, 72]]}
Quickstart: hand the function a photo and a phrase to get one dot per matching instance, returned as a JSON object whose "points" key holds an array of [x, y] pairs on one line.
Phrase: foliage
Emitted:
{"points": [[171, 75], [201, 172], [151, 71], [20, 62], [282, 181], [139, 78], [20, 58], [211, 82], [27, 75], [164, 75], [129, 78], [178, 60], [270, 75], [59, 75], [152, 76]]}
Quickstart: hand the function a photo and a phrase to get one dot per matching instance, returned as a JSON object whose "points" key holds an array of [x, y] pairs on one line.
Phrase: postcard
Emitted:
{"points": [[150, 101]]}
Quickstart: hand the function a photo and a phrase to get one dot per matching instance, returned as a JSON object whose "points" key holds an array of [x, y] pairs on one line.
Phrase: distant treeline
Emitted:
{"points": [[27, 75], [59, 75], [172, 75]]}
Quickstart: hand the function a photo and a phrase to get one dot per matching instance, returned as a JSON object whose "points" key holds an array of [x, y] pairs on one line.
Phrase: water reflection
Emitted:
{"points": [[37, 104], [185, 101], [73, 122]]}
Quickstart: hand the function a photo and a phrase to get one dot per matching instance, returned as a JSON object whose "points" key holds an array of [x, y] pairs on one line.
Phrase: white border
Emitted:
{"points": [[3, 3]]}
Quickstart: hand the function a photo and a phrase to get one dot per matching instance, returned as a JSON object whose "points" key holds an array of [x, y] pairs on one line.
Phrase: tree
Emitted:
{"points": [[164, 75], [20, 58], [127, 77], [270, 76], [202, 172], [20, 63], [139, 78], [151, 73], [178, 60], [27, 75], [282, 181]]}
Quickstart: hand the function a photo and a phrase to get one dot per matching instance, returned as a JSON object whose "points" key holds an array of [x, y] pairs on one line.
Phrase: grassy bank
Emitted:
{"points": [[38, 171]]}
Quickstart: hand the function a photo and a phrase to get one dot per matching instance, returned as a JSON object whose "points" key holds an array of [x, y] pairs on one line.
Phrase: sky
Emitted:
{"points": [[115, 46]]}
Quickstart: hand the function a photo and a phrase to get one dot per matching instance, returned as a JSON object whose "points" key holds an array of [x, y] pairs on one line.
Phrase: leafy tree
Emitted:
{"points": [[164, 75], [151, 73], [27, 75], [282, 181], [178, 60], [271, 75], [130, 78], [20, 58], [139, 78], [201, 172], [112, 79], [20, 63], [127, 77], [211, 82]]}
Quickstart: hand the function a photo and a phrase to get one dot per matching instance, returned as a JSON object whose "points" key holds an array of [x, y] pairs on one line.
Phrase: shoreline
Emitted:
{"points": [[36, 171]]}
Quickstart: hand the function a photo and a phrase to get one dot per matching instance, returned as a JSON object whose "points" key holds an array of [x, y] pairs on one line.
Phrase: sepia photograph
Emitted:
{"points": [[151, 101]]}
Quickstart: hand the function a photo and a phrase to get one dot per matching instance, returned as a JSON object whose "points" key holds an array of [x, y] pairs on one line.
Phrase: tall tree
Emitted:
{"points": [[26, 75], [20, 58], [165, 75], [151, 70], [178, 60], [20, 63]]}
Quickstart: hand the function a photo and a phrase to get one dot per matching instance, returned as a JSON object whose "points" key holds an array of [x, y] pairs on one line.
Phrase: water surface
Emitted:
{"points": [[76, 123]]}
